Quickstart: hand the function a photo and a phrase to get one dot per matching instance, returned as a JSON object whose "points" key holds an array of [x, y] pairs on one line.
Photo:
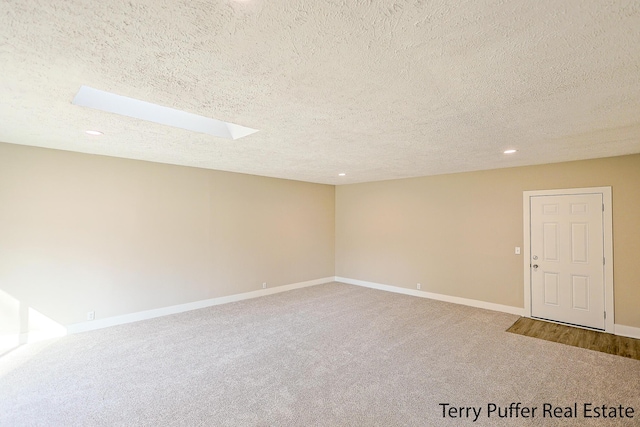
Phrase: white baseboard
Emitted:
{"points": [[440, 297], [17, 339], [180, 308], [627, 331], [622, 330]]}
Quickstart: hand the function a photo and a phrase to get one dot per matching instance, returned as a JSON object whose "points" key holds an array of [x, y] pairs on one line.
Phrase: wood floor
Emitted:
{"points": [[577, 337]]}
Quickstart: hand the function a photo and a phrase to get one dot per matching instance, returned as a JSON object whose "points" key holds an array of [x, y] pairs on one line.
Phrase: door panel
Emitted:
{"points": [[580, 292], [550, 241], [551, 289], [567, 254], [579, 242]]}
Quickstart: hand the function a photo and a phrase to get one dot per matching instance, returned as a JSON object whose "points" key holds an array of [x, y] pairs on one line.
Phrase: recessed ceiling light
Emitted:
{"points": [[342, 174], [510, 151], [93, 132]]}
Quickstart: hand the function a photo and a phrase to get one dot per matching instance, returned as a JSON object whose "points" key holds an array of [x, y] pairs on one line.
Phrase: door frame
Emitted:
{"points": [[607, 228]]}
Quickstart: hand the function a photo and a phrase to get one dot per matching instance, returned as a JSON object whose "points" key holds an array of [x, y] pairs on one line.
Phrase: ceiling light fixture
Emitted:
{"points": [[510, 151], [342, 174], [93, 132]]}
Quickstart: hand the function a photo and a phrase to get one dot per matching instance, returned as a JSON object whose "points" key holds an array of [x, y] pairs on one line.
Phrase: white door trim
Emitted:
{"points": [[608, 245]]}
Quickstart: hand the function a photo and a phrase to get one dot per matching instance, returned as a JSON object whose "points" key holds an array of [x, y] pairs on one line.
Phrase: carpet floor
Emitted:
{"points": [[327, 355]]}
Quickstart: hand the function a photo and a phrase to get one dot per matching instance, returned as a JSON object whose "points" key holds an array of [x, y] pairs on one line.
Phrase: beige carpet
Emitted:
{"points": [[329, 355]]}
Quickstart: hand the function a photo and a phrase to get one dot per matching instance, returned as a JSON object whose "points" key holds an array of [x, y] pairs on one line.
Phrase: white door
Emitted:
{"points": [[567, 259]]}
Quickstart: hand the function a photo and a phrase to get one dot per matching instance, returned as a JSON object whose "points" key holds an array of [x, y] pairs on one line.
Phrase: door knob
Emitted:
{"points": [[535, 266]]}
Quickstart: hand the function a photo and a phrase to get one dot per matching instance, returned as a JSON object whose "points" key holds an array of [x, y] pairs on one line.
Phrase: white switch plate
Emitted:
{"points": [[517, 250]]}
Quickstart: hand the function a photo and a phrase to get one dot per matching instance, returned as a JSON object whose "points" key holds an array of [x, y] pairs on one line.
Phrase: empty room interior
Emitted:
{"points": [[255, 213]]}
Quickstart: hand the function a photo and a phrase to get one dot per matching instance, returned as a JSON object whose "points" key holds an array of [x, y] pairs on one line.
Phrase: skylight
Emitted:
{"points": [[130, 107]]}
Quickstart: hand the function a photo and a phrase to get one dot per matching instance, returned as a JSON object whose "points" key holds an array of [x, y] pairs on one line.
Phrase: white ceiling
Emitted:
{"points": [[379, 90]]}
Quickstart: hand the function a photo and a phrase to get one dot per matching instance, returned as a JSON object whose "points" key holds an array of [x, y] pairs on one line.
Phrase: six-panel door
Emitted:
{"points": [[567, 259]]}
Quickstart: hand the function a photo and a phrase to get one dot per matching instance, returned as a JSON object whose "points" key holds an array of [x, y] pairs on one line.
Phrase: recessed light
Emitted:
{"points": [[93, 132], [342, 174], [510, 151]]}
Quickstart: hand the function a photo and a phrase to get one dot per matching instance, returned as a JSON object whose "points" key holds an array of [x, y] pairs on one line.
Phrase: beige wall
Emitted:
{"points": [[81, 232], [456, 234]]}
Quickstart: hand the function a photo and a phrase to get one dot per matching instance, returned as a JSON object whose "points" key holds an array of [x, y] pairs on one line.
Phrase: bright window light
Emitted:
{"points": [[130, 107]]}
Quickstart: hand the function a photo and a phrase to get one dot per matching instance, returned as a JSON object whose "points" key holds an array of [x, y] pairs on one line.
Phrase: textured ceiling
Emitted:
{"points": [[378, 90]]}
